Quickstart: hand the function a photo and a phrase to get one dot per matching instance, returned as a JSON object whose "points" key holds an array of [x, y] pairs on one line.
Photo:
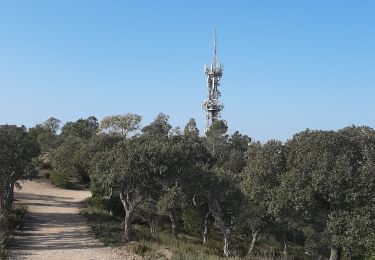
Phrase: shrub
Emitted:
{"points": [[59, 180], [191, 217], [10, 221], [140, 248]]}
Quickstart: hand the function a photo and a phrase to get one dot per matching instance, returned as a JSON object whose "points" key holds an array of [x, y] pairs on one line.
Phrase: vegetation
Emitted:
{"points": [[189, 196], [18, 149]]}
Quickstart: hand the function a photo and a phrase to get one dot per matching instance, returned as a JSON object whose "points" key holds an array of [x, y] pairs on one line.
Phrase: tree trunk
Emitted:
{"points": [[8, 194], [225, 229], [205, 228], [285, 253], [2, 199], [253, 242], [205, 231], [128, 227], [152, 224], [129, 209], [174, 224], [227, 243], [335, 253], [204, 214], [11, 194]]}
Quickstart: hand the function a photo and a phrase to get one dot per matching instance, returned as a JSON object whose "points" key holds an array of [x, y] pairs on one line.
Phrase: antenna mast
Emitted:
{"points": [[212, 105]]}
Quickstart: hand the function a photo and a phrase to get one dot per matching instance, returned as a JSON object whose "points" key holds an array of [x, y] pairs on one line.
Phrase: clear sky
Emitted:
{"points": [[288, 65]]}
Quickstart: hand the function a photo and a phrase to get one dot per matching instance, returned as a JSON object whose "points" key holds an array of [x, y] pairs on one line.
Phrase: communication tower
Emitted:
{"points": [[212, 104]]}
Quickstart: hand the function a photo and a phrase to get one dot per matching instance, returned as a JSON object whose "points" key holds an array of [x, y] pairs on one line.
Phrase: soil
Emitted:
{"points": [[54, 229]]}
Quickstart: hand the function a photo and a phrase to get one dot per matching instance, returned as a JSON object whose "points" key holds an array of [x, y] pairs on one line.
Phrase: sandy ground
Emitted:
{"points": [[54, 229]]}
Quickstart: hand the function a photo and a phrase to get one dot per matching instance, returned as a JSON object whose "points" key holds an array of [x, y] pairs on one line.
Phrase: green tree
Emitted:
{"points": [[18, 148], [137, 167], [53, 124], [222, 189], [159, 127], [262, 175], [82, 128], [134, 169], [170, 204], [178, 160], [238, 146], [329, 181], [70, 158], [68, 163], [120, 124], [47, 134], [193, 183], [217, 142], [224, 199], [191, 129]]}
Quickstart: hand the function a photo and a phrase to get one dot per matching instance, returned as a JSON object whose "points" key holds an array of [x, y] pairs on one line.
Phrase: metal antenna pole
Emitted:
{"points": [[212, 104], [214, 57]]}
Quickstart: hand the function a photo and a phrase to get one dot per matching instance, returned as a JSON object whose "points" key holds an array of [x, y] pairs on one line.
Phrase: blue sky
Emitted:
{"points": [[288, 65]]}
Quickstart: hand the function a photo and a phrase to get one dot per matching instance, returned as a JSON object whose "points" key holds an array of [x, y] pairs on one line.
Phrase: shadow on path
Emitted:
{"points": [[53, 221]]}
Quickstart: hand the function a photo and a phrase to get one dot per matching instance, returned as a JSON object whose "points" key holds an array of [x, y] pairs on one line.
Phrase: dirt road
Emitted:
{"points": [[54, 229]]}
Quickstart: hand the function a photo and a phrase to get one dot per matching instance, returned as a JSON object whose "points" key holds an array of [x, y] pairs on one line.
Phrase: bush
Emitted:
{"points": [[15, 219], [59, 180], [10, 221], [110, 234], [191, 217], [140, 248]]}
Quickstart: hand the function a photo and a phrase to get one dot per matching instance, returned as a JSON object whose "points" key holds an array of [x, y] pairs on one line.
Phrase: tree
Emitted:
{"points": [[170, 203], [149, 212], [82, 128], [17, 149], [191, 129], [97, 148], [217, 142], [224, 201], [329, 181], [138, 165], [178, 161], [135, 168], [238, 146], [47, 134], [262, 175], [120, 124], [159, 127], [68, 163], [222, 189], [194, 186], [70, 158], [53, 124]]}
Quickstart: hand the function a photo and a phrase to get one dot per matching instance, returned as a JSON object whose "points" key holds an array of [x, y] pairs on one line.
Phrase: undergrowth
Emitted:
{"points": [[110, 231], [9, 222]]}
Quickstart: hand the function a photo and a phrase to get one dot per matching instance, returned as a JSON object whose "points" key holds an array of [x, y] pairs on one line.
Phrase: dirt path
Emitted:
{"points": [[54, 229]]}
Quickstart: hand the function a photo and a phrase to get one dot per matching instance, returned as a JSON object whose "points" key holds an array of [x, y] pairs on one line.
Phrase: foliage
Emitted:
{"points": [[190, 217], [47, 134], [10, 221], [329, 182], [82, 128], [311, 197], [18, 148], [59, 180], [265, 166], [110, 231], [71, 158], [120, 124]]}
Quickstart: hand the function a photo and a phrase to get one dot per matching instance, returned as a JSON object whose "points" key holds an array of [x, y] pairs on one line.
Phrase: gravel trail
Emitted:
{"points": [[54, 229]]}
